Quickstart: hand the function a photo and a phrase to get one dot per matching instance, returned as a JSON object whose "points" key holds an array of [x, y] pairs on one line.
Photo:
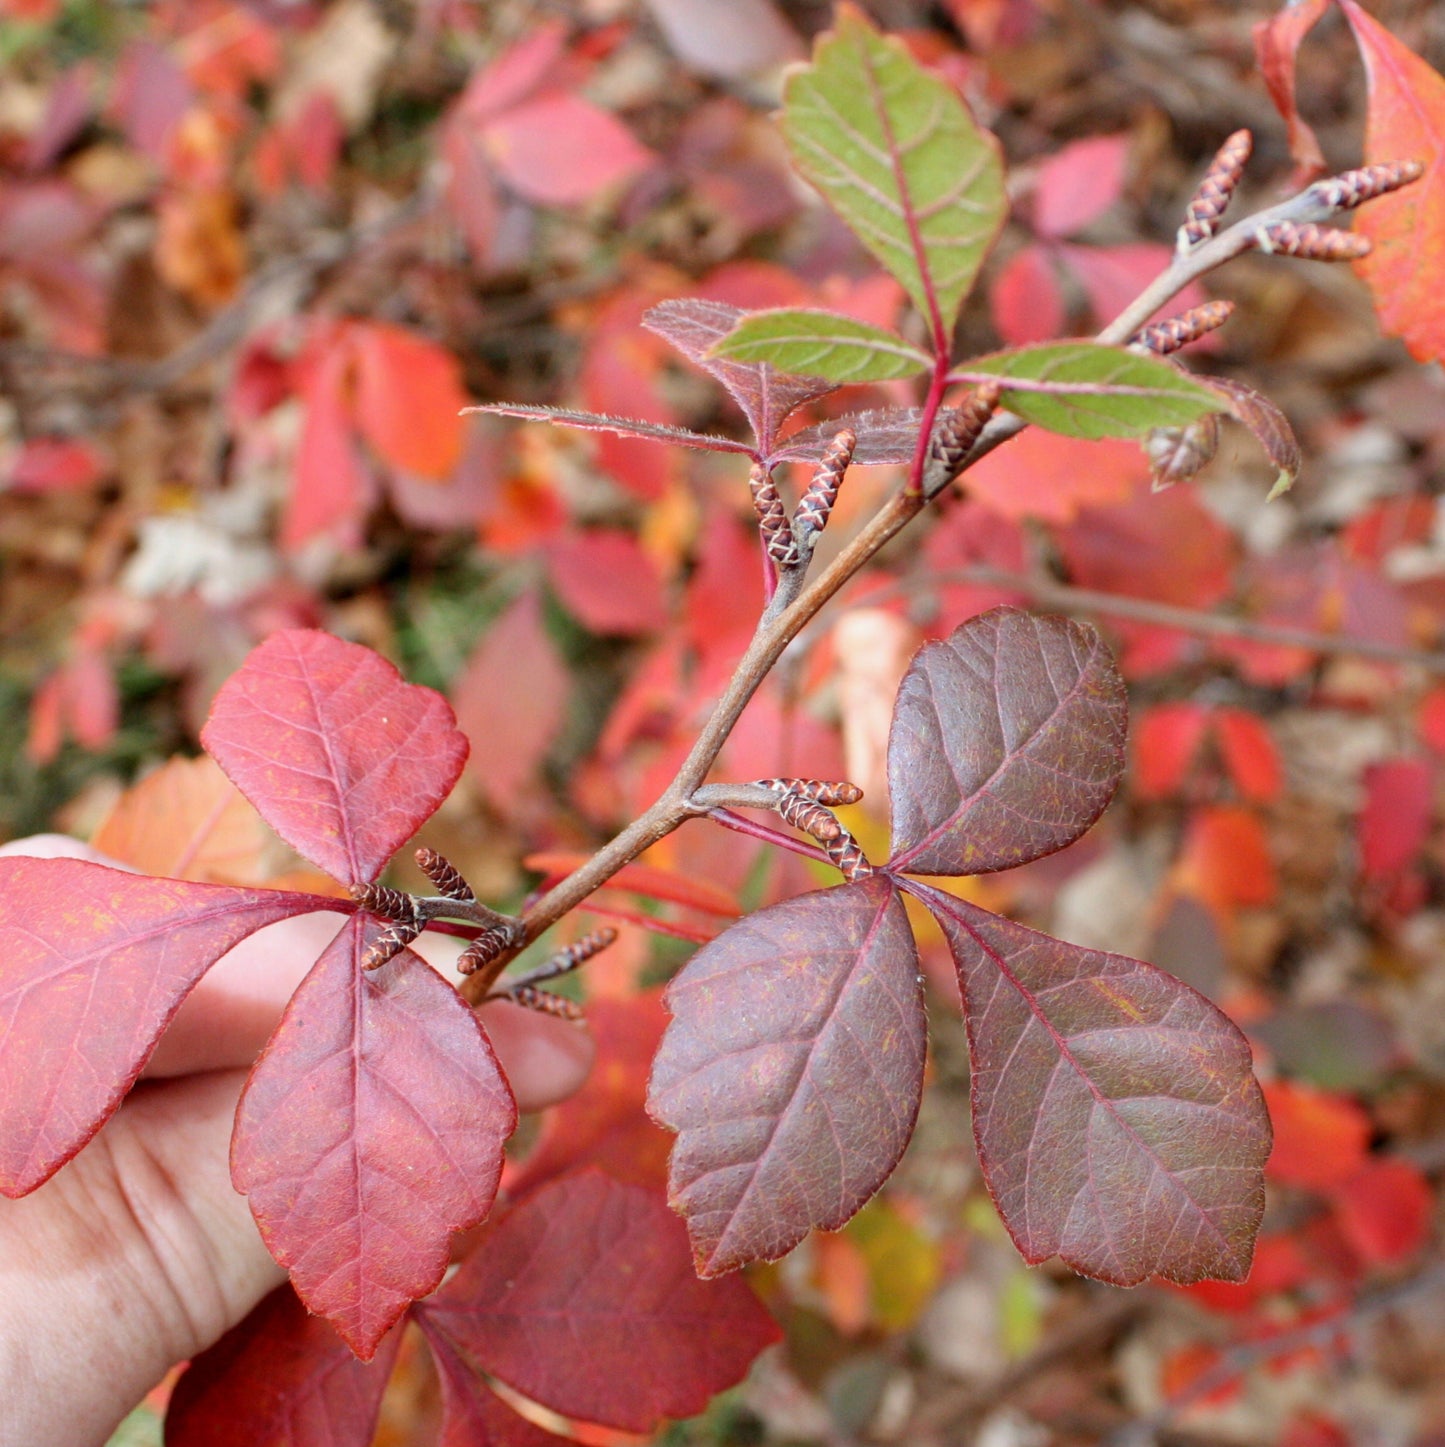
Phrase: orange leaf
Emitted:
{"points": [[409, 397], [187, 820], [1249, 754], [1166, 740], [1226, 861], [1406, 121], [1043, 475], [1320, 1139]]}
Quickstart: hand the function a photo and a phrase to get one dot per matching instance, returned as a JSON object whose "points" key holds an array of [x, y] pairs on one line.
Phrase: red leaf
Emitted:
{"points": [[648, 880], [1276, 45], [1166, 742], [1026, 303], [1007, 743], [1396, 819], [511, 698], [330, 488], [514, 74], [409, 399], [1114, 275], [792, 1070], [607, 1124], [561, 150], [1320, 1139], [1079, 184], [369, 1131], [1249, 754], [56, 464], [1044, 475], [281, 1377], [1431, 723], [472, 1414], [1405, 122], [1118, 1124], [342, 758], [604, 578], [604, 1266], [94, 962], [1384, 1210]]}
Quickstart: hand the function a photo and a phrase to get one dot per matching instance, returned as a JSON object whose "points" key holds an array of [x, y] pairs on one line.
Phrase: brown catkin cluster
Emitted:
{"points": [[1174, 332]]}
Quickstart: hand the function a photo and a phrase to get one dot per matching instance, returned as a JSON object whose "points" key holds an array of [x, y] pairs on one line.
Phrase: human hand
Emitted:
{"points": [[140, 1253]]}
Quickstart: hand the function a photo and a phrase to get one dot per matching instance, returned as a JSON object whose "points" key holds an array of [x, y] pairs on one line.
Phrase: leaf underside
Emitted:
{"points": [[1097, 390], [896, 153], [605, 1268], [1270, 427], [94, 963], [1117, 1122], [885, 435], [1007, 743], [370, 1130], [340, 756], [767, 397], [792, 1070]]}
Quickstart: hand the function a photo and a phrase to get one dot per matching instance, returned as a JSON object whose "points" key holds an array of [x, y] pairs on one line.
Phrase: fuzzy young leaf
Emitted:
{"points": [[1269, 425], [885, 435], [609, 1263], [895, 151], [1117, 1122], [340, 756], [94, 962], [694, 325], [621, 426], [1087, 389], [281, 1377], [1007, 743], [370, 1130], [792, 1070], [800, 339], [1406, 121]]}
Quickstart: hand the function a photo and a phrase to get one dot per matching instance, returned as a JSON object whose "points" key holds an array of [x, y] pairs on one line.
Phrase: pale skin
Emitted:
{"points": [[139, 1253]]}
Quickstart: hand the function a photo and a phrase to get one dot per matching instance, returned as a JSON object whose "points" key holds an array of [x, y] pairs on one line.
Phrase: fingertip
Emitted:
{"points": [[545, 1059]]}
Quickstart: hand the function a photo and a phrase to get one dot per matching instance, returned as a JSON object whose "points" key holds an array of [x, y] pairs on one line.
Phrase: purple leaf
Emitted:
{"points": [[767, 397], [472, 1413], [1118, 1125], [94, 962], [584, 1299], [623, 426], [370, 1130], [885, 435], [1007, 743], [340, 756], [791, 1071]]}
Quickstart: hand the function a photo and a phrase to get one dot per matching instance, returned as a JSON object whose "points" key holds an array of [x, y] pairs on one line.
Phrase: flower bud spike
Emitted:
{"points": [[1216, 190], [1353, 188], [566, 960], [1172, 333], [1310, 242], [773, 522], [810, 817], [378, 899], [813, 510], [444, 875], [544, 1002], [391, 941], [848, 855], [820, 791], [956, 432], [483, 950]]}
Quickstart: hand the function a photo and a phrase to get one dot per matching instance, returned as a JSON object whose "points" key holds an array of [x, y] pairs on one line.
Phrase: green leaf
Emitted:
{"points": [[895, 151], [1086, 389], [821, 344]]}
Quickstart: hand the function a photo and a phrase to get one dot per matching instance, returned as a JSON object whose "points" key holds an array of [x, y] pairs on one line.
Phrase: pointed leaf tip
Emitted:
{"points": [[894, 150], [792, 1070], [341, 757], [1007, 743]]}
